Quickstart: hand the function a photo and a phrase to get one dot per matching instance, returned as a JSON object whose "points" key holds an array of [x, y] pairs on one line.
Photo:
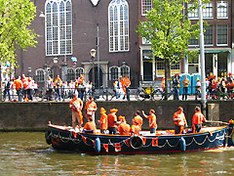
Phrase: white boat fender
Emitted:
{"points": [[136, 142], [182, 144], [97, 145]]}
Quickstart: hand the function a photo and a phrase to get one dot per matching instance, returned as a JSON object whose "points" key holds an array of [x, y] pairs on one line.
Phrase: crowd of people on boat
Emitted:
{"points": [[111, 124], [216, 87]]}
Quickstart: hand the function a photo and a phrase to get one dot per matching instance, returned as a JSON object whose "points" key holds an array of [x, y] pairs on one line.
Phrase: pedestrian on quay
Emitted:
{"points": [[18, 86], [185, 84], [176, 86], [198, 119], [76, 105], [57, 86], [25, 87], [7, 86], [179, 121], [152, 120], [127, 83]]}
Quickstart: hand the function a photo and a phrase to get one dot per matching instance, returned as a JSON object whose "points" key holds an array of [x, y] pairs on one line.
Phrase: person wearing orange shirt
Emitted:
{"points": [[112, 120], [138, 119], [103, 121], [91, 107], [122, 89], [90, 125], [58, 84], [127, 83], [80, 86], [25, 85], [18, 86], [152, 120], [179, 121], [76, 105], [198, 119], [135, 128], [123, 128]]}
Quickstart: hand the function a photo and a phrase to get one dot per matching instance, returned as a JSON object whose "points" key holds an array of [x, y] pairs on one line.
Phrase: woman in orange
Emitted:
{"points": [[152, 120], [179, 121], [90, 124], [103, 121]]}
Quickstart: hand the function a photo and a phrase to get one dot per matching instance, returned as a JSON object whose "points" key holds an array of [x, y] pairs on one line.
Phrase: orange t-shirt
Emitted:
{"points": [[180, 116], [198, 118], [135, 129], [18, 84], [112, 118], [91, 107], [152, 121], [139, 120], [126, 82], [76, 104], [103, 122], [90, 126], [124, 129]]}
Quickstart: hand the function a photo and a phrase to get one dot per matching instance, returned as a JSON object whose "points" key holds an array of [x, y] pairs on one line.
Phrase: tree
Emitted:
{"points": [[168, 30], [15, 20]]}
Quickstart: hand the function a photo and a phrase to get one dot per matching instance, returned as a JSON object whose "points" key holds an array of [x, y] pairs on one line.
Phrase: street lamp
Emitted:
{"points": [[93, 54]]}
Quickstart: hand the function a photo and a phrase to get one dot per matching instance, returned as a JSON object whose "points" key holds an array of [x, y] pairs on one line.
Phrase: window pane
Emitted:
{"points": [[208, 35], [222, 10], [222, 34], [146, 5]]}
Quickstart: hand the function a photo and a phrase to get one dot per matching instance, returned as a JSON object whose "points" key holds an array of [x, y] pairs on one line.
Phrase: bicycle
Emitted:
{"points": [[48, 94], [152, 93], [104, 94]]}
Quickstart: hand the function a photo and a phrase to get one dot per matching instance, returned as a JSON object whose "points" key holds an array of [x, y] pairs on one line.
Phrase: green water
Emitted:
{"points": [[28, 154]]}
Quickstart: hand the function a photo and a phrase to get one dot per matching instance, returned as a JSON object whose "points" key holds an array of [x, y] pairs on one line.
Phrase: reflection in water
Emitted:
{"points": [[28, 154]]}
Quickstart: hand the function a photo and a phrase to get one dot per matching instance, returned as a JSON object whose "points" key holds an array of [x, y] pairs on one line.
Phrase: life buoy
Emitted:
{"points": [[48, 136], [97, 145], [182, 144], [136, 142]]}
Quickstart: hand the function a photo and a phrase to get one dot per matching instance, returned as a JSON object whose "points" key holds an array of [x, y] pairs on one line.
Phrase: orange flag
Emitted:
{"points": [[127, 142], [93, 143], [117, 147], [144, 140], [154, 141], [84, 139], [106, 147], [74, 134]]}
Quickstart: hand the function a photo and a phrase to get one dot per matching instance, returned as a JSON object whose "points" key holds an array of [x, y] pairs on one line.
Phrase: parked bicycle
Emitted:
{"points": [[46, 94], [152, 93]]}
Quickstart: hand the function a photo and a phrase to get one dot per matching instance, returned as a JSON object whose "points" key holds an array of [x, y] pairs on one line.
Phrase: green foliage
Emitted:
{"points": [[168, 29], [15, 20]]}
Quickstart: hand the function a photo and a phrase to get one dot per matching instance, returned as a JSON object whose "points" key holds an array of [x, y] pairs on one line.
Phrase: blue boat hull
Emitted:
{"points": [[66, 139]]}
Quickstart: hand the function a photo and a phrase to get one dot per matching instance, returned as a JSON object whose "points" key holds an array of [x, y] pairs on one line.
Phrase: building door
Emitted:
{"points": [[97, 81], [209, 64], [222, 64], [147, 71]]}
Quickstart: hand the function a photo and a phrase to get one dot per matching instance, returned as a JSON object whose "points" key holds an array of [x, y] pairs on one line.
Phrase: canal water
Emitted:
{"points": [[27, 154]]}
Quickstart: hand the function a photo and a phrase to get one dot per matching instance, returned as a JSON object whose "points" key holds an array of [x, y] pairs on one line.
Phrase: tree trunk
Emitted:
{"points": [[166, 78]]}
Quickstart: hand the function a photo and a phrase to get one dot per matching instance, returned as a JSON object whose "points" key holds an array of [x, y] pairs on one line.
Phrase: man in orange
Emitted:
{"points": [[179, 121], [123, 128], [198, 119], [152, 120], [58, 84], [112, 120], [138, 119], [135, 128], [127, 83], [90, 125], [76, 106], [91, 108], [18, 86], [80, 86], [103, 121]]}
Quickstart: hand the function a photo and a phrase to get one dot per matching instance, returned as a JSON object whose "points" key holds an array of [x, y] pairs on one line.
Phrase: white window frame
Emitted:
{"points": [[208, 10], [192, 16], [222, 44], [222, 8], [146, 5], [120, 72], [58, 27], [74, 73], [78, 71], [118, 23], [40, 77]]}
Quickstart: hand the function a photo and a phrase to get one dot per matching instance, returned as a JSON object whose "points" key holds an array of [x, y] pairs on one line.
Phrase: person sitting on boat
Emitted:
{"points": [[152, 120], [90, 125], [198, 119], [135, 128], [112, 120], [76, 105], [103, 121], [179, 121], [123, 128], [138, 119], [91, 107]]}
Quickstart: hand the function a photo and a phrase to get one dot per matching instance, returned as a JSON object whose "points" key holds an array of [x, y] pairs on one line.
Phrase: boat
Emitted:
{"points": [[65, 138]]}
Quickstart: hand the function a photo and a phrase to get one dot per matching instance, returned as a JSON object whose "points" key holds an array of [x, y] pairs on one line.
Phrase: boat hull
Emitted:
{"points": [[67, 139]]}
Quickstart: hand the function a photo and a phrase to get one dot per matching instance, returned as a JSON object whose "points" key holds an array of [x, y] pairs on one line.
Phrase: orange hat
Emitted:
{"points": [[114, 110], [103, 110], [229, 74], [122, 118]]}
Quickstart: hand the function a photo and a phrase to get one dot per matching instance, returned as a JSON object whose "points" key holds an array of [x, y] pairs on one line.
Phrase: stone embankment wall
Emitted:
{"points": [[35, 116]]}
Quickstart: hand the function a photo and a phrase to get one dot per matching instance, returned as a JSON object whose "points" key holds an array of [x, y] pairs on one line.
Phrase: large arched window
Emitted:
{"points": [[70, 74], [58, 25], [40, 75], [118, 17], [79, 71]]}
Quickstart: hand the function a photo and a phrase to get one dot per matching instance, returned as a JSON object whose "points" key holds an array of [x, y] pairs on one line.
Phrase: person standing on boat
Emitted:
{"points": [[123, 128], [90, 125], [138, 119], [152, 120], [198, 119], [91, 107], [135, 128], [76, 105], [179, 121], [103, 121], [112, 120]]}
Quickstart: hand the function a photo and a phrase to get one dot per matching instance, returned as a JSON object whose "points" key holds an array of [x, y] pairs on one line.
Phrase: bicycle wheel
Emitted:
{"points": [[107, 96], [157, 95], [54, 96], [140, 95]]}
